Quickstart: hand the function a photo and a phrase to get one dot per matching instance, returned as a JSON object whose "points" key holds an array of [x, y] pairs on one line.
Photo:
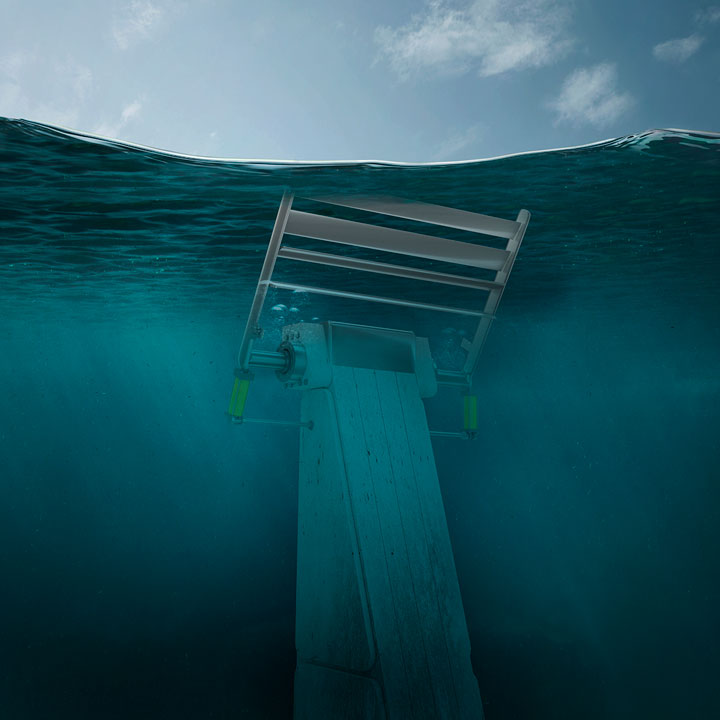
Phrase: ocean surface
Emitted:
{"points": [[147, 545]]}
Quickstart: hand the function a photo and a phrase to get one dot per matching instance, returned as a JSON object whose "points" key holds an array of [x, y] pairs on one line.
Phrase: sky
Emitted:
{"points": [[410, 81]]}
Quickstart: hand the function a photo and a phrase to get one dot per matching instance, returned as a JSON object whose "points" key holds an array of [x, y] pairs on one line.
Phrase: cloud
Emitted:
{"points": [[113, 129], [489, 36], [679, 49], [63, 84], [590, 95], [457, 142], [138, 21], [708, 15]]}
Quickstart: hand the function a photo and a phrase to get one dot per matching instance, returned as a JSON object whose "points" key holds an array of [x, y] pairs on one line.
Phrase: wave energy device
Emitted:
{"points": [[380, 627]]}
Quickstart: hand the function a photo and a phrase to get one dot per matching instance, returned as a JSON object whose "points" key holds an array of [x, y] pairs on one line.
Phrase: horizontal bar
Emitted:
{"points": [[262, 421], [374, 298], [424, 212], [348, 232], [385, 268], [462, 435], [450, 377]]}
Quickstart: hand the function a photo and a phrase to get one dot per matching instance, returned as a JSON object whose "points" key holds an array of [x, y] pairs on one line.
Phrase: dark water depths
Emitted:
{"points": [[147, 547]]}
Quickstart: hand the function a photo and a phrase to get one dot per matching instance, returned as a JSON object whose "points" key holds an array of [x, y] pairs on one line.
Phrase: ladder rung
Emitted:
{"points": [[375, 298], [424, 212], [348, 232], [320, 258]]}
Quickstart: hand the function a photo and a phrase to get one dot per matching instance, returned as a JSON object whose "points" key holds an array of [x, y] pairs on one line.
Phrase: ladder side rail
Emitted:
{"points": [[475, 347], [252, 329]]}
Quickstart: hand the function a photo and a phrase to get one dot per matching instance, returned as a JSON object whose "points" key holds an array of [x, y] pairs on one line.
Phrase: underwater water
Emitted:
{"points": [[147, 545]]}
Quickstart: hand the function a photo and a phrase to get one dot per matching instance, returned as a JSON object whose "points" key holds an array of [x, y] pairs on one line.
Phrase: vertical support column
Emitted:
{"points": [[380, 627]]}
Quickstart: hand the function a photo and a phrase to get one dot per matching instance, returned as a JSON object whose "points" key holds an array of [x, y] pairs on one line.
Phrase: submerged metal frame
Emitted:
{"points": [[380, 630], [365, 235]]}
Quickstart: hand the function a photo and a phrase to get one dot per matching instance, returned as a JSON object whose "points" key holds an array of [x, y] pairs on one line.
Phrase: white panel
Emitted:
{"points": [[424, 212], [348, 232]]}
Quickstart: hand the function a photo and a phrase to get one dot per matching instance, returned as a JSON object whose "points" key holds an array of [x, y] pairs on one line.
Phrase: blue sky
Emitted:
{"points": [[334, 80]]}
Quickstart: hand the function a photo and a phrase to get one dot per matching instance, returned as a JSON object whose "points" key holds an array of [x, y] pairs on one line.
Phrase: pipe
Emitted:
{"points": [[270, 359]]}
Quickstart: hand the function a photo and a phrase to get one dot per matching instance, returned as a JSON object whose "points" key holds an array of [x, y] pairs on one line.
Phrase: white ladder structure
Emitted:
{"points": [[380, 626]]}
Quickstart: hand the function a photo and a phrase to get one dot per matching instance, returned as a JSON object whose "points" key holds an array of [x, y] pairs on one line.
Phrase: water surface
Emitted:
{"points": [[148, 547]]}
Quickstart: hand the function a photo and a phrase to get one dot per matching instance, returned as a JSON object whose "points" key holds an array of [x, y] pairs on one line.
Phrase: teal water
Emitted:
{"points": [[148, 547]]}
